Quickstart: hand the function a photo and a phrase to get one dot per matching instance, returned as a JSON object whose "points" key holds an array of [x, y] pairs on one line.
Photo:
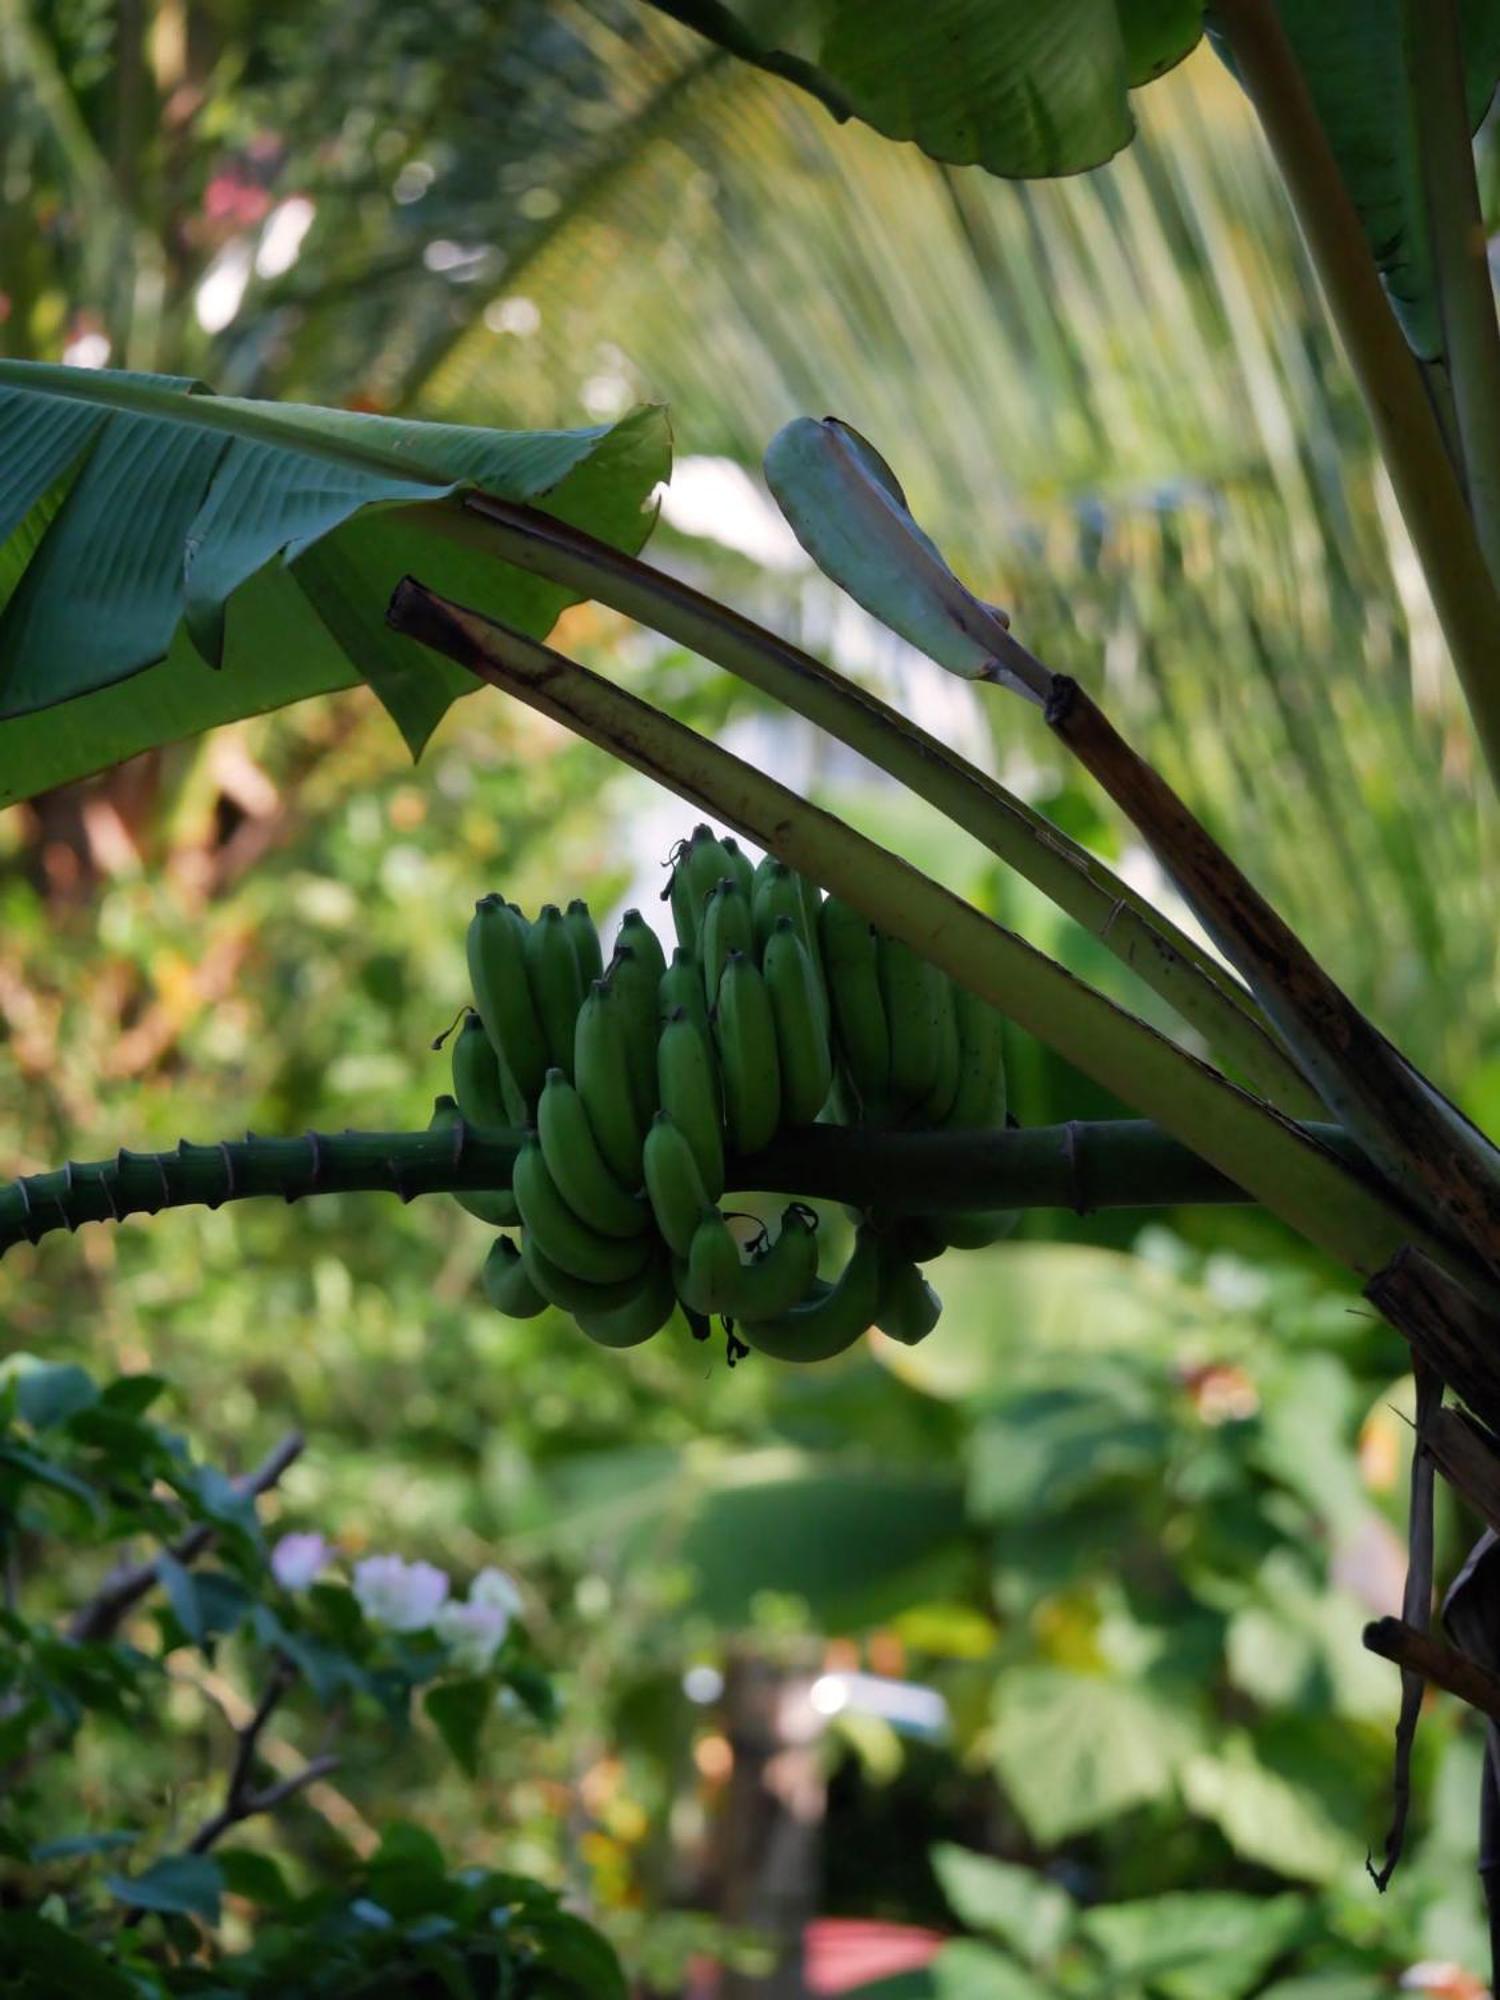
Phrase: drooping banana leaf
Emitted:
{"points": [[170, 559], [1028, 91], [1021, 89]]}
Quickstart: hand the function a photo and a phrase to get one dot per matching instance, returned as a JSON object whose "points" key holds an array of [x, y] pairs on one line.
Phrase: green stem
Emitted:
{"points": [[1110, 1163], [1188, 978], [1427, 486], [1330, 1203], [1471, 333]]}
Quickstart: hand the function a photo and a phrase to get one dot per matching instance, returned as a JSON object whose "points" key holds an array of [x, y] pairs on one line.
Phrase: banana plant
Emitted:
{"points": [[170, 559]]}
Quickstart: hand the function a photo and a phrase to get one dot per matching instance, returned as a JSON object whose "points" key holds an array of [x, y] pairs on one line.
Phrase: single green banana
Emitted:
{"points": [[749, 1067], [851, 970], [727, 927], [506, 1284], [688, 1085], [914, 1001], [634, 986], [502, 993], [709, 1277], [496, 1206], [579, 1168], [777, 894], [909, 1308], [673, 1182], [741, 873], [586, 946], [707, 861], [980, 1099], [643, 941], [687, 907], [780, 1276], [681, 985], [557, 987], [486, 1092], [572, 1294], [640, 1317], [937, 1106], [847, 509], [601, 1072], [802, 1048], [832, 1318], [561, 1234]]}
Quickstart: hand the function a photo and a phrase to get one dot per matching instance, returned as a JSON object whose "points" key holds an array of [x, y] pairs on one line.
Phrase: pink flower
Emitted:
{"points": [[297, 1559], [473, 1634], [401, 1596]]}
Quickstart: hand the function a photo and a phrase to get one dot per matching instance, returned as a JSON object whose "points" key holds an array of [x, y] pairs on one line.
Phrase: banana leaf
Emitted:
{"points": [[171, 559]]}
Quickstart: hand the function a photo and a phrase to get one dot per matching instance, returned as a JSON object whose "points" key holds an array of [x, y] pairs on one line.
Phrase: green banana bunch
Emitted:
{"points": [[847, 509], [635, 1083]]}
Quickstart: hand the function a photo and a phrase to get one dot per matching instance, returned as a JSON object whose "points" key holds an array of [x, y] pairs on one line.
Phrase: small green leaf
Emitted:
{"points": [[575, 1953], [1196, 1947], [1031, 1914], [458, 1710], [133, 1395], [1075, 1750], [48, 1396], [57, 1962], [254, 1876], [74, 1845], [181, 1885]]}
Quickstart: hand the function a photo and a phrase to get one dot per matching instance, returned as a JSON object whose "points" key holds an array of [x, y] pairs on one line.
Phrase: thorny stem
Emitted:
{"points": [[1190, 980], [1350, 1217], [1119, 1163]]}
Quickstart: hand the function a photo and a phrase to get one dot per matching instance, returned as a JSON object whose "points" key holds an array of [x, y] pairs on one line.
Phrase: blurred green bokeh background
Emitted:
{"points": [[1129, 1507]]}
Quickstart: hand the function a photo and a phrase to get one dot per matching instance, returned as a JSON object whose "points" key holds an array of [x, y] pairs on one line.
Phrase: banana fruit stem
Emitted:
{"points": [[1338, 1208], [1111, 1163], [1193, 983]]}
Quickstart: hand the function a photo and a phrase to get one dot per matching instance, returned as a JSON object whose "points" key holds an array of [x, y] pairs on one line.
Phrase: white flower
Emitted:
{"points": [[401, 1596], [494, 1588], [297, 1559], [473, 1634]]}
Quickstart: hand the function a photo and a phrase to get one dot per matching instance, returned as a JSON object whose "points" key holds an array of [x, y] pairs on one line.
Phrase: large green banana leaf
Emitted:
{"points": [[1029, 90], [170, 559]]}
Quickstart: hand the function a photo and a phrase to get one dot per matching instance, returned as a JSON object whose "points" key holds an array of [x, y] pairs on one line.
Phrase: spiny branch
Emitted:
{"points": [[1111, 1163]]}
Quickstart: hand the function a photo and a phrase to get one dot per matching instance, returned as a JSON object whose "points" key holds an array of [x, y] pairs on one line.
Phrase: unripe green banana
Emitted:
{"points": [[486, 1092], [687, 1076], [749, 1066], [980, 1099], [832, 1318], [776, 894], [502, 993], [779, 1277], [496, 1206], [579, 1168], [811, 898], [687, 905], [740, 871], [562, 1235], [678, 1196], [937, 1106], [561, 1288], [601, 1072], [640, 1317], [851, 970], [635, 932], [909, 1308], [681, 985], [727, 927], [706, 860], [506, 1284], [710, 1277], [557, 987], [914, 1001], [803, 1053], [634, 986], [586, 946]]}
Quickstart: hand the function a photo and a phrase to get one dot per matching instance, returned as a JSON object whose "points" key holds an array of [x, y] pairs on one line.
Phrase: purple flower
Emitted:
{"points": [[401, 1596], [297, 1559]]}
